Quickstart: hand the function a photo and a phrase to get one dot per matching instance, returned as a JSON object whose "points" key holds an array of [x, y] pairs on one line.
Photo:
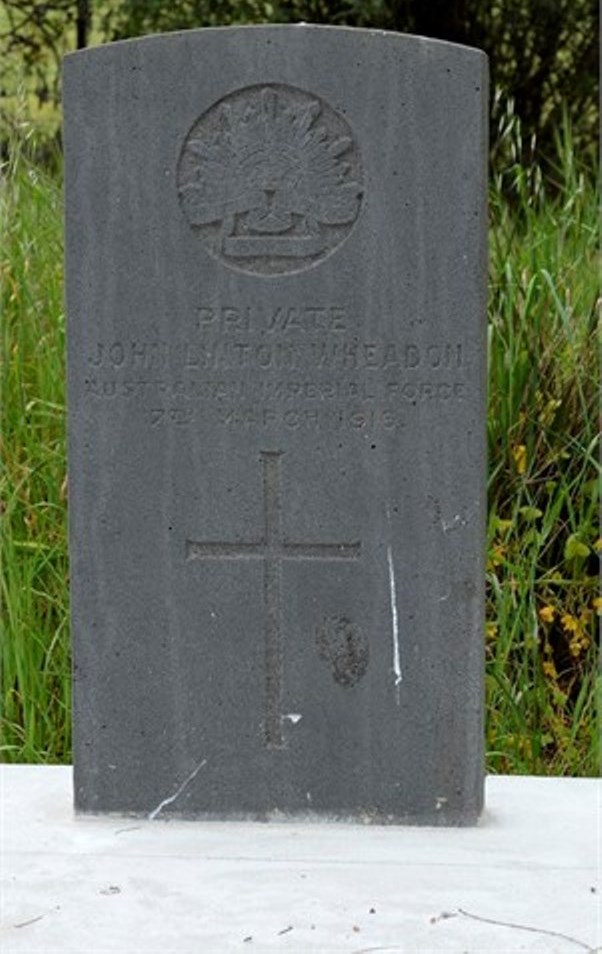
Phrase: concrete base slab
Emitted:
{"points": [[526, 879]]}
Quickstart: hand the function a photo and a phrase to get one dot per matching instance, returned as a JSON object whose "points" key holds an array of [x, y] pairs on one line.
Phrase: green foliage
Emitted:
{"points": [[544, 464], [139, 17], [541, 54], [543, 545], [35, 680], [36, 35]]}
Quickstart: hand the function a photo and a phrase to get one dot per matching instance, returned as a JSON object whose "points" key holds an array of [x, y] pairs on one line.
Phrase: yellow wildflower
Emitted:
{"points": [[569, 623], [491, 631], [519, 452], [578, 644], [547, 613], [549, 669], [597, 604], [496, 555]]}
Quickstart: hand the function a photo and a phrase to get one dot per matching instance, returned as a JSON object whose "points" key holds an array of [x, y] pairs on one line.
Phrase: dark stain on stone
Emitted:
{"points": [[342, 644]]}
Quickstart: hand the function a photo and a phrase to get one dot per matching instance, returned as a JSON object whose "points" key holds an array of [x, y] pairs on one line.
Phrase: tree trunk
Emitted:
{"points": [[82, 23]]}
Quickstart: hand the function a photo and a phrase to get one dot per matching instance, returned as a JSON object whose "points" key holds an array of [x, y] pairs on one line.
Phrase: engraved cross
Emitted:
{"points": [[272, 548]]}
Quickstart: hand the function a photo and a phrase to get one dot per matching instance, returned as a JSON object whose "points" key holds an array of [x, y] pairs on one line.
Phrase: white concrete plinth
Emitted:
{"points": [[527, 879]]}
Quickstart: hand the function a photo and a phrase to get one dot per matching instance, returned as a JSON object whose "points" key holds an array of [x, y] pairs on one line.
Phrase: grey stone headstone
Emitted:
{"points": [[276, 317]]}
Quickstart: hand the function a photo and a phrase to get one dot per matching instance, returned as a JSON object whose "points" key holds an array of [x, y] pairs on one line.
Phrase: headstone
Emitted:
{"points": [[276, 319]]}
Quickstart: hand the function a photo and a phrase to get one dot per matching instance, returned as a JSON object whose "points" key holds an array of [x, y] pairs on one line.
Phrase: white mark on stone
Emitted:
{"points": [[452, 524], [458, 521], [308, 797], [445, 597], [393, 596], [293, 717], [394, 619], [441, 801], [178, 792]]}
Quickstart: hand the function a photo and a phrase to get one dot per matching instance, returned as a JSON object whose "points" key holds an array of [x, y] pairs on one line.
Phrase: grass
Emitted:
{"points": [[34, 647], [543, 539], [542, 592]]}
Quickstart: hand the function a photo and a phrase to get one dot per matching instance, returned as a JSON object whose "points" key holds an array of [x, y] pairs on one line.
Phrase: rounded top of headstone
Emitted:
{"points": [[270, 178], [283, 31]]}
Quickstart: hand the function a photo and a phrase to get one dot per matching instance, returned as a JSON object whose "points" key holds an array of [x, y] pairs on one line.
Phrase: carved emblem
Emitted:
{"points": [[270, 178]]}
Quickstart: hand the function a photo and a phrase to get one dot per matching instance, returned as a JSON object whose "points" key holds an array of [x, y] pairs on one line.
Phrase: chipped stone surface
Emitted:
{"points": [[276, 317]]}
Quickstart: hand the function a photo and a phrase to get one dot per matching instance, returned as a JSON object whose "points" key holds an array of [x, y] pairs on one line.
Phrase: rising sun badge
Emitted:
{"points": [[270, 179]]}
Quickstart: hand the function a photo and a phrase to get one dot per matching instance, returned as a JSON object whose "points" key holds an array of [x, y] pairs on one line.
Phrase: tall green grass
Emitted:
{"points": [[34, 640], [542, 582], [543, 537]]}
